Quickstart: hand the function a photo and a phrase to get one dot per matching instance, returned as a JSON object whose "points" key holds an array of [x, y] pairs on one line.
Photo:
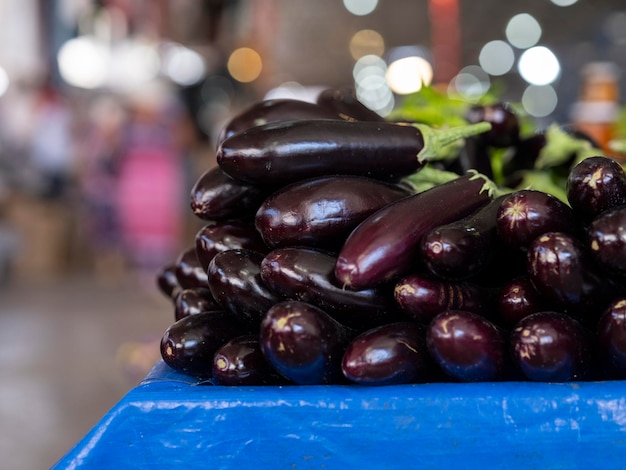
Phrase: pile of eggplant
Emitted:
{"points": [[339, 247]]}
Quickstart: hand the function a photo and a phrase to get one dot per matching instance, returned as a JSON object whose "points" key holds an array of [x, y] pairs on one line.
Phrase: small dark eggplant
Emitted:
{"points": [[321, 212], [505, 125], [306, 274], [611, 340], [285, 152], [345, 103], [595, 185], [189, 272], [468, 347], [463, 248], [274, 110], [218, 236], [303, 343], [551, 347], [422, 297], [217, 196], [194, 301], [516, 299], [607, 240], [234, 278], [384, 246], [166, 281], [526, 214], [473, 155], [189, 344], [390, 354]]}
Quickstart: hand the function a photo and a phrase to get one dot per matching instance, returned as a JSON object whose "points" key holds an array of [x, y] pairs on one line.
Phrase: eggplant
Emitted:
{"points": [[390, 354], [285, 152], [344, 102], [217, 196], [384, 246], [189, 344], [306, 274], [189, 272], [275, 110], [234, 278], [422, 297], [303, 343], [194, 301], [473, 155], [505, 125], [562, 271], [461, 249], [516, 299], [166, 281], [241, 362], [526, 214], [611, 340], [607, 240], [218, 236], [321, 212], [595, 185]]}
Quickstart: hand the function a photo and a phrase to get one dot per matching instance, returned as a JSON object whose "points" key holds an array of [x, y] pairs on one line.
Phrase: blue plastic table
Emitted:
{"points": [[170, 421]]}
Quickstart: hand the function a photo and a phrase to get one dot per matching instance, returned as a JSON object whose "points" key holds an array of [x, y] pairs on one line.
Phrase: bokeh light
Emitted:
{"points": [[182, 65], [471, 83], [132, 64], [407, 75], [370, 81], [563, 3], [523, 31], [4, 81], [496, 57], [539, 66], [539, 101], [83, 62], [245, 64], [366, 42], [360, 7]]}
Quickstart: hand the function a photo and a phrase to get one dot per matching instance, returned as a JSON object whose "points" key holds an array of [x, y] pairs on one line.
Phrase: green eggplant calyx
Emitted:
{"points": [[489, 186], [437, 140]]}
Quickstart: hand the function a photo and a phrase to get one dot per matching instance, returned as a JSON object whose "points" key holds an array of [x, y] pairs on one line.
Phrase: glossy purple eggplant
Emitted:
{"points": [[421, 297], [595, 185], [551, 347], [321, 212], [166, 281], [517, 299], [468, 347], [390, 354], [306, 274], [189, 272], [217, 196], [234, 278], [194, 301], [505, 125], [607, 240], [461, 249], [526, 214], [285, 152], [384, 246], [303, 343], [218, 236], [345, 103], [611, 340]]}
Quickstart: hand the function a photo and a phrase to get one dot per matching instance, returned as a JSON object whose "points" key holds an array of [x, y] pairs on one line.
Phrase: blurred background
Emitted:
{"points": [[110, 110]]}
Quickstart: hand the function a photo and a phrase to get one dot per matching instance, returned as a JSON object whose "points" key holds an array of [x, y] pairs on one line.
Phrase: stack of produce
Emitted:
{"points": [[343, 248]]}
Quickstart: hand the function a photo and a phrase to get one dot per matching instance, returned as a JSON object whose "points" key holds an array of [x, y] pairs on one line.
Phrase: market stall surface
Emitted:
{"points": [[69, 350]]}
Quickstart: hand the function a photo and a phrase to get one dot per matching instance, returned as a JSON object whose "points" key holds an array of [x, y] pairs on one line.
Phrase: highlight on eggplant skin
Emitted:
{"points": [[607, 240]]}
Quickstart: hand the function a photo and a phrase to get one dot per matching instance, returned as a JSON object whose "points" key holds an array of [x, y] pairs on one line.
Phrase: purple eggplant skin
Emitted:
{"points": [[526, 214], [390, 354], [189, 344], [275, 110], [607, 240], [473, 155], [217, 236], [241, 362], [505, 125], [189, 272], [306, 274], [551, 346], [611, 340], [384, 246], [303, 343], [345, 103], [194, 301], [516, 299], [217, 196], [421, 297], [290, 151], [595, 185], [234, 279], [561, 269], [467, 346], [463, 248], [321, 212], [166, 281]]}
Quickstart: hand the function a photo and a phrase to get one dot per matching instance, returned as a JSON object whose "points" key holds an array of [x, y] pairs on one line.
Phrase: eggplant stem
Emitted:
{"points": [[436, 139], [489, 186]]}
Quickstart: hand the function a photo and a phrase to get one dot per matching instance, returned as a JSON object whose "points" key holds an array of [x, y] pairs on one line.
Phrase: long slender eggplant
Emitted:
{"points": [[463, 248], [384, 246], [595, 185], [275, 110], [346, 104], [234, 278], [303, 343], [321, 212], [217, 196], [306, 274], [607, 240], [422, 297], [285, 152]]}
